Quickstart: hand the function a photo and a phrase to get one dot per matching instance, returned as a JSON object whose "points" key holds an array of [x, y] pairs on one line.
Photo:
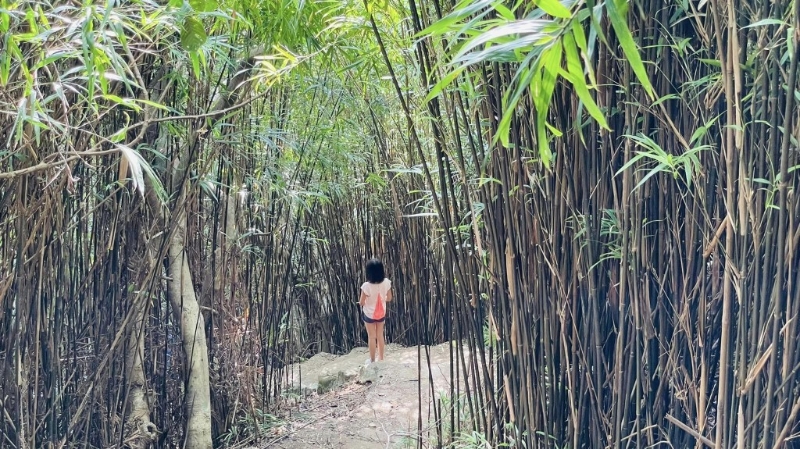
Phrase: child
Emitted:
{"points": [[375, 293]]}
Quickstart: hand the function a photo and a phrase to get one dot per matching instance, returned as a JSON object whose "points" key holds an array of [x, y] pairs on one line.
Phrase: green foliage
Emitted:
{"points": [[617, 10], [611, 229], [139, 168], [688, 162], [249, 425], [78, 68], [294, 25], [539, 44], [472, 440], [489, 337], [550, 35], [204, 5], [406, 442], [193, 34], [477, 440]]}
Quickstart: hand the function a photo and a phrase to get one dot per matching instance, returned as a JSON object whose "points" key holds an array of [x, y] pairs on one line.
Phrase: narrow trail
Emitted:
{"points": [[343, 404]]}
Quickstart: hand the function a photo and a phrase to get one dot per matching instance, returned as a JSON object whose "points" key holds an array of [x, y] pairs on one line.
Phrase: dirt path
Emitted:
{"points": [[347, 405]]}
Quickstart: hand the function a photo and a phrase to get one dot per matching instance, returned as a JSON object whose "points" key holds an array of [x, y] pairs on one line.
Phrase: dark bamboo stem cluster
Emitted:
{"points": [[629, 312]]}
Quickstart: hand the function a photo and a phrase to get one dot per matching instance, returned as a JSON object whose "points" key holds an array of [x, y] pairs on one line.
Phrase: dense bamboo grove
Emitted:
{"points": [[643, 283], [155, 189], [597, 200]]}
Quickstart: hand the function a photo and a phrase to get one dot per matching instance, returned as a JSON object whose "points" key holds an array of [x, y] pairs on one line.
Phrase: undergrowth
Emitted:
{"points": [[249, 427]]}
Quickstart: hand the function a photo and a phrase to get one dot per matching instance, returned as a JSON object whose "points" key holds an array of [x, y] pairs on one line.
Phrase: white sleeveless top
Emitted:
{"points": [[375, 305]]}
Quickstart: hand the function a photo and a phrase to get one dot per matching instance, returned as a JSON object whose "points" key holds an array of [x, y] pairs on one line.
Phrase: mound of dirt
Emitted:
{"points": [[343, 403]]}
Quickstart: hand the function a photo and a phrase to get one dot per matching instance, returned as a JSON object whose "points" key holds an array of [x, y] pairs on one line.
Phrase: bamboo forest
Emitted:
{"points": [[591, 204]]}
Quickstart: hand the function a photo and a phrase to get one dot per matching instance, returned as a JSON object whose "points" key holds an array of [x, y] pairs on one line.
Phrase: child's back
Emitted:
{"points": [[375, 293]]}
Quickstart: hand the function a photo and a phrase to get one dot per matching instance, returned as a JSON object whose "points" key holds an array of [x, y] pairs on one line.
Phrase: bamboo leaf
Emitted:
{"points": [[550, 63], [464, 9], [541, 139], [646, 142], [688, 168], [618, 22], [5, 22], [119, 136], [555, 131], [122, 101], [554, 8], [574, 75], [132, 161], [526, 74], [658, 169], [542, 94], [194, 57], [504, 12], [139, 168], [595, 15], [443, 83], [530, 31], [153, 104], [421, 214], [204, 5], [765, 22], [5, 68], [504, 52], [580, 40], [633, 160], [711, 62], [586, 98], [402, 170], [664, 98], [698, 134], [193, 35]]}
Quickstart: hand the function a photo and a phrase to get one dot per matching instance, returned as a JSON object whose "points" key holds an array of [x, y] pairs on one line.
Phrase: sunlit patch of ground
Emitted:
{"points": [[362, 407]]}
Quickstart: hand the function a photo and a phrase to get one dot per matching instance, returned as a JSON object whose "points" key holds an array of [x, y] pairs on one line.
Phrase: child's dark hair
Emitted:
{"points": [[375, 273]]}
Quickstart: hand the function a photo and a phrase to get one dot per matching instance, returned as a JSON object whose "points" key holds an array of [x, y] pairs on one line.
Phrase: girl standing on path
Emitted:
{"points": [[375, 293]]}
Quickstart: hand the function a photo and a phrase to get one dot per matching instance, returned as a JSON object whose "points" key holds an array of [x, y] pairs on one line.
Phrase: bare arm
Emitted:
{"points": [[363, 299], [389, 296]]}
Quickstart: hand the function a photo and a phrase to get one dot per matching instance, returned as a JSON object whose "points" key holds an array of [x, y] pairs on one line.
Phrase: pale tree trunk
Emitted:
{"points": [[140, 432], [180, 290], [186, 311]]}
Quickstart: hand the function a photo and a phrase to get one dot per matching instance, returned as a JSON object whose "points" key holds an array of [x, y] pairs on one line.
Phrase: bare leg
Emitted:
{"points": [[371, 339], [381, 340]]}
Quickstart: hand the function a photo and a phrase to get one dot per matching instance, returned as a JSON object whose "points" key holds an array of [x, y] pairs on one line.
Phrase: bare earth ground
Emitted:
{"points": [[343, 404]]}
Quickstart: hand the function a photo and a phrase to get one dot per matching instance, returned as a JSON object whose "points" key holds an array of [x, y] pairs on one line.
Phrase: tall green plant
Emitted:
{"points": [[549, 44]]}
